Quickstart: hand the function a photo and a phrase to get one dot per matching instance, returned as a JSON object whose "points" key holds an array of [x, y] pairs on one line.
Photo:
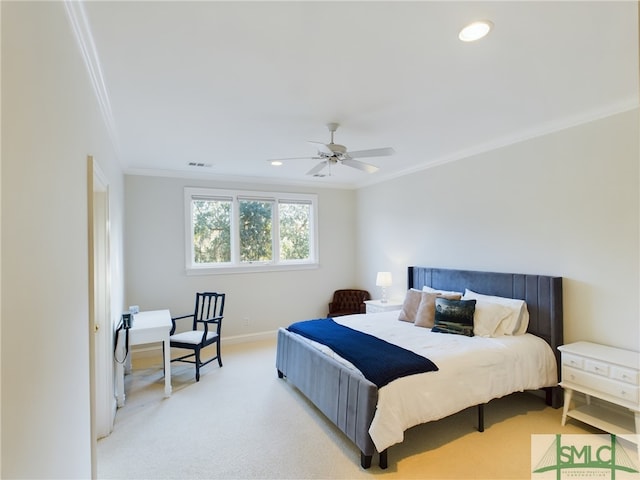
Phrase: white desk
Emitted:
{"points": [[148, 327]]}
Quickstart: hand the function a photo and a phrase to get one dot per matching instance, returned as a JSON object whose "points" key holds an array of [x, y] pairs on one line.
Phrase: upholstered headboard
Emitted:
{"points": [[543, 295]]}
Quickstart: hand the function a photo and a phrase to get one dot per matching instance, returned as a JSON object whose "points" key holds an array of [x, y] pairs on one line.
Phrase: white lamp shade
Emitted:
{"points": [[383, 279]]}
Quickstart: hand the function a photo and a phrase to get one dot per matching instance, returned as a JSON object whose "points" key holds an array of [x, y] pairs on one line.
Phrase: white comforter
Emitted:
{"points": [[471, 371]]}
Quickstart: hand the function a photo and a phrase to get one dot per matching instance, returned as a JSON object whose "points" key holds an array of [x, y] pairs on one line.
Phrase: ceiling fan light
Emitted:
{"points": [[475, 31]]}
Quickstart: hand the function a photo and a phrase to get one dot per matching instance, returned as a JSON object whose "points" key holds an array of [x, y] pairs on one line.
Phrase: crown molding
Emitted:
{"points": [[546, 128], [84, 38]]}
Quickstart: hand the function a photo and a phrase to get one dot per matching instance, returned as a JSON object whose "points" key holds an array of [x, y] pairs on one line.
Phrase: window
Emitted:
{"points": [[256, 234], [241, 231], [211, 221]]}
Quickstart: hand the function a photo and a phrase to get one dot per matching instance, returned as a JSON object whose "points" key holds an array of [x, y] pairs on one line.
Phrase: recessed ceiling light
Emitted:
{"points": [[475, 31], [276, 163]]}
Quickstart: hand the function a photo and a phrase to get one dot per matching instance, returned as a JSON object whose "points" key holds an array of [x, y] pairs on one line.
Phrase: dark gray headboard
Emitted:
{"points": [[543, 295]]}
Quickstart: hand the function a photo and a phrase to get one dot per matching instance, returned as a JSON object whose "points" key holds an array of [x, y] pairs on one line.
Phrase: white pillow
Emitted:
{"points": [[487, 317], [441, 292], [512, 325], [524, 320]]}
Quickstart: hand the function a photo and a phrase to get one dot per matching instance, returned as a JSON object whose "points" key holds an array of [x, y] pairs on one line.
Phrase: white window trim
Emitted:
{"points": [[235, 266]]}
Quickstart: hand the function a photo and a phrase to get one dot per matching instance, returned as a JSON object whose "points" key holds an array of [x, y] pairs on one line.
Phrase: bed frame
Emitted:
{"points": [[349, 400]]}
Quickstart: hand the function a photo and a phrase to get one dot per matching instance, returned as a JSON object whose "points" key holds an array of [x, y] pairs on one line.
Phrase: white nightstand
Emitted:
{"points": [[375, 306], [608, 373]]}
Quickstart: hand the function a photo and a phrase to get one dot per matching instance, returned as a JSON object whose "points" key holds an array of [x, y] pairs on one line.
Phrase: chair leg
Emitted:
{"points": [[197, 358], [219, 356]]}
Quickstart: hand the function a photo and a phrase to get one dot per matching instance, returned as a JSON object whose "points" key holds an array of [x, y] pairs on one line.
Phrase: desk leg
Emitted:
{"points": [[119, 355], [120, 384], [636, 414], [167, 368]]}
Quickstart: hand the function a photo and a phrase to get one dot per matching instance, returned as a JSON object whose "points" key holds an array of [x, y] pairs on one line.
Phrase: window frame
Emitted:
{"points": [[236, 265]]}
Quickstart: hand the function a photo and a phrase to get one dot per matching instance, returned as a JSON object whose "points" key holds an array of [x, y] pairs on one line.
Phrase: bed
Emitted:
{"points": [[365, 413]]}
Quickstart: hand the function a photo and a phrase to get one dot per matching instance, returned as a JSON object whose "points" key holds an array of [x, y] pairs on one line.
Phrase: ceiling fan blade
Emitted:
{"points": [[292, 158], [322, 147], [317, 168], [365, 167], [375, 152]]}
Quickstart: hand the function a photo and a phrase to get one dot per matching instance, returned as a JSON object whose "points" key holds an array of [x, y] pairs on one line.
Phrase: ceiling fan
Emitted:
{"points": [[332, 153]]}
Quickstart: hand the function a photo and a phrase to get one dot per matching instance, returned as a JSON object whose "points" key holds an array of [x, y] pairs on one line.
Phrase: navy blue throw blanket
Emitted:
{"points": [[380, 362]]}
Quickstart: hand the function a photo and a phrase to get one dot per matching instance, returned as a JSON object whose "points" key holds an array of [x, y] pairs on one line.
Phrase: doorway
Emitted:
{"points": [[103, 403]]}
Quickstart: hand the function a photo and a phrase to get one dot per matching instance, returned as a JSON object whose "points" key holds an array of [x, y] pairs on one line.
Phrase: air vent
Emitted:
{"points": [[199, 165]]}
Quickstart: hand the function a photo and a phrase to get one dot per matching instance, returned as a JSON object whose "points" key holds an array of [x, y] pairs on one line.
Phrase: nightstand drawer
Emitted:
{"points": [[572, 361], [599, 368], [625, 375], [377, 306], [606, 386], [629, 393]]}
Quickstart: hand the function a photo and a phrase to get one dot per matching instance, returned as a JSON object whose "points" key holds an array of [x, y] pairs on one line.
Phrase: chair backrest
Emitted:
{"points": [[349, 300], [208, 305]]}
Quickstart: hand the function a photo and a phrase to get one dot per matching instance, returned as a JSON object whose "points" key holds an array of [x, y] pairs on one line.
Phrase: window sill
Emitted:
{"points": [[251, 269]]}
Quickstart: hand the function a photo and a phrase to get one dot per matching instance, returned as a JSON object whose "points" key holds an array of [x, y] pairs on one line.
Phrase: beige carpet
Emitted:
{"points": [[241, 421]]}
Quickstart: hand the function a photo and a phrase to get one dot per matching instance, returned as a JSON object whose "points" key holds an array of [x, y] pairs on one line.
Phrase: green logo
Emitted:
{"points": [[583, 456]]}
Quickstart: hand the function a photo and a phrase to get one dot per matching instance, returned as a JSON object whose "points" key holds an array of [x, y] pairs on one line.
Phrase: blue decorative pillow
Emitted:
{"points": [[454, 316]]}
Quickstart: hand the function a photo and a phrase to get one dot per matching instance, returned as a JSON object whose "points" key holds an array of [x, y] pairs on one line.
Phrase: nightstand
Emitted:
{"points": [[609, 374], [376, 306]]}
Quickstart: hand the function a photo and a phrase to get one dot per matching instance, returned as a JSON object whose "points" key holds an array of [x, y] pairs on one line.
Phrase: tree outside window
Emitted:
{"points": [[294, 231], [211, 231], [256, 244]]}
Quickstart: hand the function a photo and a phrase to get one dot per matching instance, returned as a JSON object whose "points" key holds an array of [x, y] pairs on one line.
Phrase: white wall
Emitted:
{"points": [[562, 204], [50, 123], [155, 259]]}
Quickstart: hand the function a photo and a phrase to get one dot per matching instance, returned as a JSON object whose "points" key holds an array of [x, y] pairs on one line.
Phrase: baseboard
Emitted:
{"points": [[148, 349], [250, 337], [153, 349]]}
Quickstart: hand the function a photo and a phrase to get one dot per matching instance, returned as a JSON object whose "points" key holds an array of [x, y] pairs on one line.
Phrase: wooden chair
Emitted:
{"points": [[348, 301], [205, 330]]}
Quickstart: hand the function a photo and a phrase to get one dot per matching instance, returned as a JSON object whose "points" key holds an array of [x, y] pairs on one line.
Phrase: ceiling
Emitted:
{"points": [[233, 84]]}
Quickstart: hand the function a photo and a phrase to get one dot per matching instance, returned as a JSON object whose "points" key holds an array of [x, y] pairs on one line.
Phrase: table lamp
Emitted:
{"points": [[383, 280]]}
